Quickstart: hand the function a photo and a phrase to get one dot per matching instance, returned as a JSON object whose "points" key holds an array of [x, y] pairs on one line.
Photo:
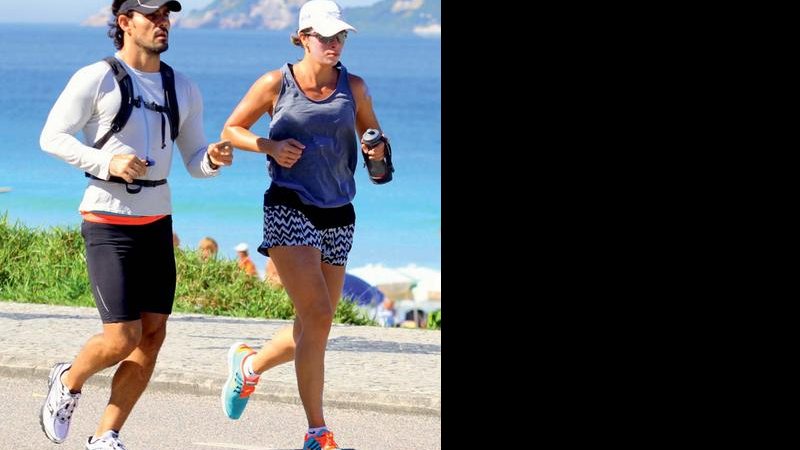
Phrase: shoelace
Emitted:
{"points": [[66, 405], [325, 441], [245, 385], [328, 442], [113, 442]]}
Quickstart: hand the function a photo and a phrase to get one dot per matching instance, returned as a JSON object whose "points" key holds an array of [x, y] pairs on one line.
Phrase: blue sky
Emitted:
{"points": [[59, 11]]}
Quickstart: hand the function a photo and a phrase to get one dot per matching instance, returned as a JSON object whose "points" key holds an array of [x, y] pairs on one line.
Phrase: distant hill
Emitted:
{"points": [[98, 19], [395, 17], [243, 14], [387, 17]]}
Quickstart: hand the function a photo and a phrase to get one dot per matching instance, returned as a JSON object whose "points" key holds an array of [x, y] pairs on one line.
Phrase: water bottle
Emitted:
{"points": [[380, 171]]}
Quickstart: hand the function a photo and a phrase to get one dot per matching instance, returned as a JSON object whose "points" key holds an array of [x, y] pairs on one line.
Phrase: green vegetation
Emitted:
{"points": [[435, 320], [49, 266]]}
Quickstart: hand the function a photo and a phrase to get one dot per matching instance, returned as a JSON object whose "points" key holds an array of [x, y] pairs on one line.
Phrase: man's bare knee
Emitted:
{"points": [[151, 342], [122, 344]]}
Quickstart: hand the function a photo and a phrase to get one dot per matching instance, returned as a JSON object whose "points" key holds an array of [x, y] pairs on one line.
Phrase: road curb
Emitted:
{"points": [[269, 391]]}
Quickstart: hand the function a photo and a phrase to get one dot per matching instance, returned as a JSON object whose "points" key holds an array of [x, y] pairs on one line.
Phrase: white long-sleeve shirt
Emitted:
{"points": [[90, 102]]}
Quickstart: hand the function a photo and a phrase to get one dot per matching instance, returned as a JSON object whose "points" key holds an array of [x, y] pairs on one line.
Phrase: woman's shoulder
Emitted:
{"points": [[273, 76], [270, 81], [354, 78], [357, 84]]}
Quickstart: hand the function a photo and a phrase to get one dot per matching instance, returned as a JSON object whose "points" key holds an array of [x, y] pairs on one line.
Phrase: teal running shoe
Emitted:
{"points": [[237, 389]]}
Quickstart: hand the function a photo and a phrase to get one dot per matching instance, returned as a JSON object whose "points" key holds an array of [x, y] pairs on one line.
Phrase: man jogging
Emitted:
{"points": [[131, 108]]}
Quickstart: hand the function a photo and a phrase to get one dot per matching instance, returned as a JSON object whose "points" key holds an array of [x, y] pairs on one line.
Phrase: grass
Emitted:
{"points": [[49, 266]]}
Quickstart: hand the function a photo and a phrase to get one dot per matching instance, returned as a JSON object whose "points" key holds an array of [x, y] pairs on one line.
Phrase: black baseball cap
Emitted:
{"points": [[148, 6]]}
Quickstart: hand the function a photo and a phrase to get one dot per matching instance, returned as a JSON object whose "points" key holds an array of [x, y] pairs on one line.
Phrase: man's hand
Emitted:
{"points": [[127, 167], [220, 153]]}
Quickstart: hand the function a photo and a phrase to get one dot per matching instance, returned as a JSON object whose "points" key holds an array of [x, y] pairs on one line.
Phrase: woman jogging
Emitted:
{"points": [[317, 108]]}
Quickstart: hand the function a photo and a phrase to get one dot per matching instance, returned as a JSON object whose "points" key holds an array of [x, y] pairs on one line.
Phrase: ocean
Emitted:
{"points": [[397, 224]]}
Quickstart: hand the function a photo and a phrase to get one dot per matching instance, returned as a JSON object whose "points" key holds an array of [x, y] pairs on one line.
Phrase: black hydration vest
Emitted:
{"points": [[127, 102]]}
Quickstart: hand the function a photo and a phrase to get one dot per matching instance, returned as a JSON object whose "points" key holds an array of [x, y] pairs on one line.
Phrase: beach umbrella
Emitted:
{"points": [[361, 292]]}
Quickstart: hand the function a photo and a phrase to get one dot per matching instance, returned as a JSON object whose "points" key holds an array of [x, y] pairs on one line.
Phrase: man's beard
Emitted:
{"points": [[159, 50], [153, 49]]}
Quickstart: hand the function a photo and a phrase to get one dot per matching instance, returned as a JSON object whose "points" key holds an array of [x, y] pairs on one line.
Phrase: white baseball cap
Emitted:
{"points": [[324, 16], [242, 247]]}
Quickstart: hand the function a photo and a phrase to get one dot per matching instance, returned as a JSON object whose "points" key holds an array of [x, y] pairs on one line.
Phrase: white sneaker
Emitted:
{"points": [[108, 441], [56, 412]]}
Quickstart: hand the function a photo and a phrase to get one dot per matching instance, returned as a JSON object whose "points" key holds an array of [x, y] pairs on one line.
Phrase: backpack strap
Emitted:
{"points": [[133, 187], [170, 98], [126, 101]]}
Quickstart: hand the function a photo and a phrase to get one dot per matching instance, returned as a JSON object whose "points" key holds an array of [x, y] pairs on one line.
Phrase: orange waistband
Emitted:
{"points": [[119, 220]]}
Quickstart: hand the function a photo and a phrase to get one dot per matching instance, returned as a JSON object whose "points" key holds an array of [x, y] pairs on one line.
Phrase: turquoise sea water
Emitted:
{"points": [[397, 224]]}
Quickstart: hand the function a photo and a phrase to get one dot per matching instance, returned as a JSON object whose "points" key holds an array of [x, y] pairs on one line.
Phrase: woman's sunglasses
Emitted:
{"points": [[340, 36]]}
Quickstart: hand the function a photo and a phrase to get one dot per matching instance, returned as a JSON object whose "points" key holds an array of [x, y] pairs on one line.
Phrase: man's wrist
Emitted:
{"points": [[211, 164]]}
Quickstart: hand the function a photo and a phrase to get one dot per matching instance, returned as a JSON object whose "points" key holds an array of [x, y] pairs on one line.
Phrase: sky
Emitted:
{"points": [[54, 11]]}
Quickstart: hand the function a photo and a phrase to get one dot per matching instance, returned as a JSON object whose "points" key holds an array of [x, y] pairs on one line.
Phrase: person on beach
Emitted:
{"points": [[126, 207], [317, 109], [386, 313], [208, 248], [243, 260]]}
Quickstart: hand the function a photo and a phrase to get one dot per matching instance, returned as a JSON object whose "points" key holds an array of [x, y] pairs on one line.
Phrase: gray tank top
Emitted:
{"points": [[323, 176]]}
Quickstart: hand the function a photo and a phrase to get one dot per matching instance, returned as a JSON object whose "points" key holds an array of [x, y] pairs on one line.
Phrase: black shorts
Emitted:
{"points": [[131, 268]]}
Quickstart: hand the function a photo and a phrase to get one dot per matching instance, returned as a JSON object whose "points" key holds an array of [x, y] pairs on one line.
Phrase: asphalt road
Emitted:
{"points": [[167, 421]]}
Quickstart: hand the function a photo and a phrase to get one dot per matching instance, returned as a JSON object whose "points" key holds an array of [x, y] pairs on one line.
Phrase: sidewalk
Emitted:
{"points": [[368, 368]]}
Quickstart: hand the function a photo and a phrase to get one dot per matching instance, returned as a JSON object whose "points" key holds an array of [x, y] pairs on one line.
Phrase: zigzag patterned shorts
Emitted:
{"points": [[285, 226]]}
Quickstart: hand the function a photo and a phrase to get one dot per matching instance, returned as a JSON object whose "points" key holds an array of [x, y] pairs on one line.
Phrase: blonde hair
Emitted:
{"points": [[208, 243]]}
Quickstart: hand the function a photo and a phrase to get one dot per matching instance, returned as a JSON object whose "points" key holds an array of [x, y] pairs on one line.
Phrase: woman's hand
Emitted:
{"points": [[286, 152], [374, 153]]}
